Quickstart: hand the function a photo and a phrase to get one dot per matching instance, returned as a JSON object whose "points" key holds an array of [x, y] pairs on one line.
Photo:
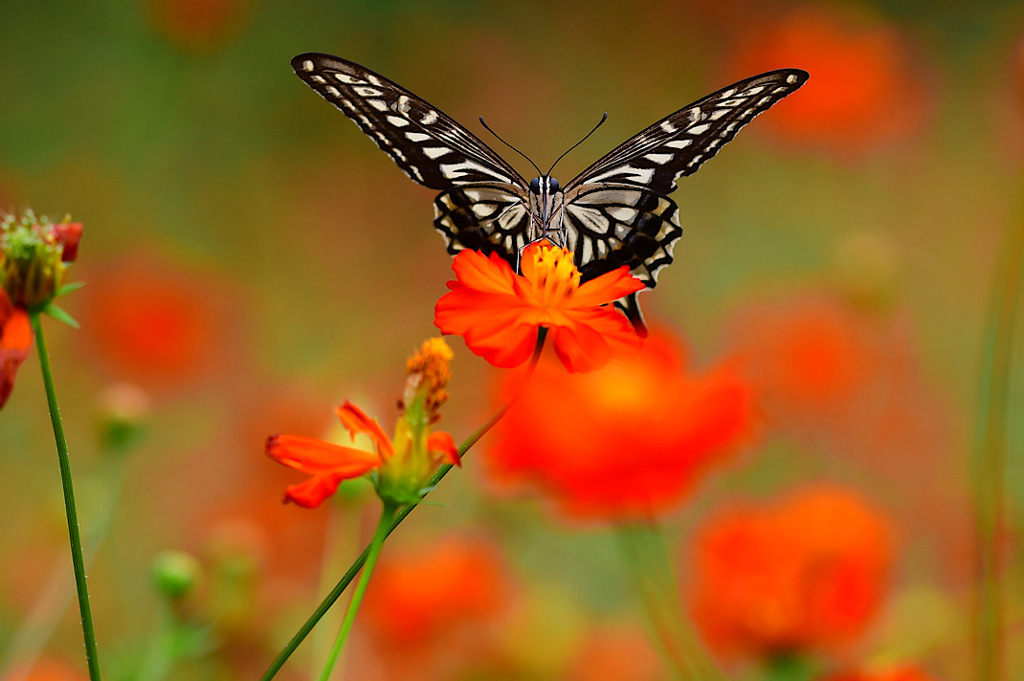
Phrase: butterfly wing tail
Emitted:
{"points": [[631, 307]]}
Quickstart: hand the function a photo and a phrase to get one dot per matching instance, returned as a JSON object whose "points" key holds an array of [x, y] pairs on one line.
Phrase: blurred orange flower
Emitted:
{"points": [[153, 324], [862, 94], [435, 605], [47, 669], [499, 312], [904, 673], [813, 359], [807, 572], [15, 343], [198, 24], [628, 440], [616, 653]]}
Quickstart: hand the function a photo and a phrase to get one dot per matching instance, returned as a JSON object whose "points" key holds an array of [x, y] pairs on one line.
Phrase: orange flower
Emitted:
{"points": [[807, 572], [625, 441], [422, 596], [862, 93], [903, 673], [405, 463], [618, 652], [15, 343], [46, 669], [199, 25], [439, 605], [499, 312], [816, 362]]}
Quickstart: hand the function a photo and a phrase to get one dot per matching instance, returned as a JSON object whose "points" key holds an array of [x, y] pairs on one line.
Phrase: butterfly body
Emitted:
{"points": [[616, 212]]}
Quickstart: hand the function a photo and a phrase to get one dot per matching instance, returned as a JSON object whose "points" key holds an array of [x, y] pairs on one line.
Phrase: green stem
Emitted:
{"points": [[655, 580], [71, 510], [990, 451], [37, 626], [383, 529], [402, 514]]}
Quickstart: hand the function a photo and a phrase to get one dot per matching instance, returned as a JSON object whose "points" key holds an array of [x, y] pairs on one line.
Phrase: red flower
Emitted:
{"points": [[15, 343], [155, 325], [807, 572], [625, 441], [499, 312], [862, 93]]}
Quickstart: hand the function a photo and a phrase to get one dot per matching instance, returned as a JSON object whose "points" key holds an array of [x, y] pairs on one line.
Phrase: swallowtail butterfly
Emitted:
{"points": [[616, 212]]}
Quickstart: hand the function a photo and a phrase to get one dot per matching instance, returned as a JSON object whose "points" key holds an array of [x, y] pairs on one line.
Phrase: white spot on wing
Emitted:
{"points": [[367, 91], [429, 118], [417, 136], [699, 129], [790, 79], [397, 121], [332, 91], [436, 152], [307, 65], [679, 144], [668, 127], [660, 159]]}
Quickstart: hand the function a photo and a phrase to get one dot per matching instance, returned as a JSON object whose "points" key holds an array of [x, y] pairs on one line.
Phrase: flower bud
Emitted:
{"points": [[34, 253], [175, 574]]}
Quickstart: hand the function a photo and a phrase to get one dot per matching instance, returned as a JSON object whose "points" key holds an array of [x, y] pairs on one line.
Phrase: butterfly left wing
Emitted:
{"points": [[617, 212], [483, 202]]}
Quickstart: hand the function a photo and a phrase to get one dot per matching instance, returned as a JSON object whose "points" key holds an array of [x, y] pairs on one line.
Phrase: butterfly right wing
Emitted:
{"points": [[483, 202]]}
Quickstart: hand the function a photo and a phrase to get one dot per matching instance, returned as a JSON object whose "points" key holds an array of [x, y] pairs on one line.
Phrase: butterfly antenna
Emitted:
{"points": [[488, 128], [599, 124]]}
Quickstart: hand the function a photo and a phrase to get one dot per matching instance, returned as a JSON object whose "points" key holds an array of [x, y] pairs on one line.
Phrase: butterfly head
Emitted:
{"points": [[545, 184]]}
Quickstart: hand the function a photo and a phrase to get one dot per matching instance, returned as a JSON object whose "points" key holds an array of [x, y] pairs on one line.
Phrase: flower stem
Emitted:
{"points": [[655, 580], [383, 529], [396, 520], [71, 510], [990, 450]]}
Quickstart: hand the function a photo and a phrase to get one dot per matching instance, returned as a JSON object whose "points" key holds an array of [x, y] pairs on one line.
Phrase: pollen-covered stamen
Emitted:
{"points": [[429, 371], [553, 273]]}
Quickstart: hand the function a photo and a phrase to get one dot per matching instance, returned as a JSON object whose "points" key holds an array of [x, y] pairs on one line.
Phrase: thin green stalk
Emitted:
{"points": [[655, 580], [401, 515], [990, 451], [383, 528], [37, 626], [71, 510]]}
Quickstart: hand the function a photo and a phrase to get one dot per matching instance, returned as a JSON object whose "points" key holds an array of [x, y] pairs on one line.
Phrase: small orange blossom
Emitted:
{"points": [[401, 465], [499, 312]]}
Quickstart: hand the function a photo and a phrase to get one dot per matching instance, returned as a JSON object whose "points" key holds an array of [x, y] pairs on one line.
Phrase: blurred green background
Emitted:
{"points": [[252, 260]]}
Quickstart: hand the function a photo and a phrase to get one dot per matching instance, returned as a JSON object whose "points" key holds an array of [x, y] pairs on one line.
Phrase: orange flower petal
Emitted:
{"points": [[598, 335], [481, 273], [607, 288], [442, 443], [314, 456], [313, 492], [356, 421]]}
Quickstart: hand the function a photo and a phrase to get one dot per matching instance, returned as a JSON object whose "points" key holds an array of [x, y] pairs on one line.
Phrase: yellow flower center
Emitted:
{"points": [[552, 272]]}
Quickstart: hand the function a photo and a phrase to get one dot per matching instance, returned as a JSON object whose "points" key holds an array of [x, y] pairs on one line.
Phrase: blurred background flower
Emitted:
{"points": [[252, 256]]}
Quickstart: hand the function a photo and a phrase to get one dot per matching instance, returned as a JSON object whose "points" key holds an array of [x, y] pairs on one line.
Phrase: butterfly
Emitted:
{"points": [[616, 212]]}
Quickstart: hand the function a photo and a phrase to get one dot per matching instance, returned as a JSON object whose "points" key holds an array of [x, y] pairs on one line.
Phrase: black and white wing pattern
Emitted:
{"points": [[616, 212], [484, 203]]}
